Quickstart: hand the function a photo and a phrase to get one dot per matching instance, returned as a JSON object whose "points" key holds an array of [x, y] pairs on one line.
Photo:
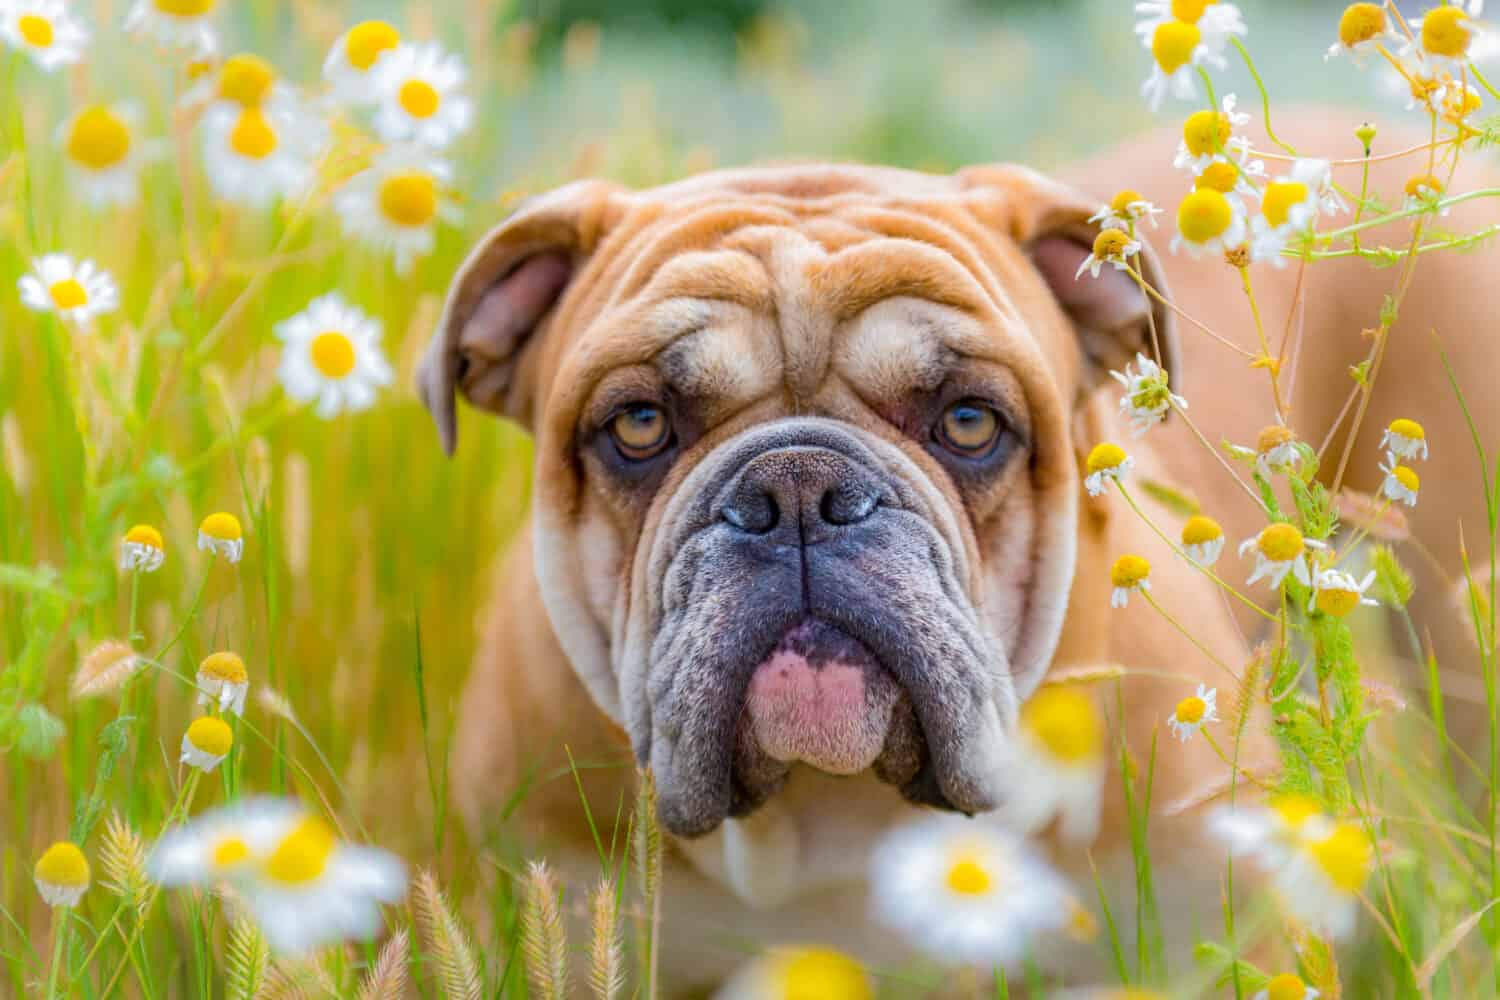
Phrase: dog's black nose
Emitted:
{"points": [[803, 490]]}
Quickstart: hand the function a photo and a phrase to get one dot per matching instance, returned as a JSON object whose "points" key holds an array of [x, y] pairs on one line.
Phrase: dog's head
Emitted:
{"points": [[807, 477]]}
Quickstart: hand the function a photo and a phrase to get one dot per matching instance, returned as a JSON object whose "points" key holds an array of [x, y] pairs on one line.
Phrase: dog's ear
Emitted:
{"points": [[1114, 317], [502, 294]]}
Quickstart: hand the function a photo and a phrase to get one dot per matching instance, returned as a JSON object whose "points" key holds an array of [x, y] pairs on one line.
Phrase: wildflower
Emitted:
{"points": [[103, 153], [222, 844], [1057, 755], [395, 203], [1289, 207], [1400, 484], [1269, 833], [1288, 985], [332, 354], [1209, 221], [1202, 539], [1106, 461], [1127, 574], [62, 874], [45, 31], [1183, 35], [417, 85], [1404, 439], [206, 743], [788, 973], [348, 67], [222, 679], [75, 290], [1362, 27], [1148, 395], [1320, 882], [1457, 100], [1208, 137], [142, 550], [256, 154], [1216, 20], [1124, 210], [1111, 246], [221, 534], [1423, 191], [1443, 35], [1276, 449], [1280, 549], [106, 668], [1232, 178], [964, 891], [186, 24], [1194, 712], [1337, 593]]}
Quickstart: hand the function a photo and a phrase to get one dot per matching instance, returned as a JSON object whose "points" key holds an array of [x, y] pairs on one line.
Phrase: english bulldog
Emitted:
{"points": [[808, 524]]}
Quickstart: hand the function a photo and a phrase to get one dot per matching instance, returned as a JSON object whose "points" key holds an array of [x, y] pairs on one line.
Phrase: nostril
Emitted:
{"points": [[847, 506], [754, 513]]}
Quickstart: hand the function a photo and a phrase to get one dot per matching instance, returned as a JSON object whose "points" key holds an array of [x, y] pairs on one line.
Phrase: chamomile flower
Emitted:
{"points": [[1276, 449], [142, 550], [1105, 462], [1148, 395], [1423, 191], [1111, 246], [1362, 28], [1269, 833], [1202, 540], [1235, 179], [1194, 712], [62, 874], [1208, 137], [1057, 757], [1179, 46], [1290, 205], [964, 891], [75, 290], [222, 535], [104, 151], [417, 87], [1209, 221], [1280, 549], [254, 155], [1320, 882], [206, 743], [186, 24], [1288, 985], [332, 355], [1213, 17], [1130, 572], [1456, 100], [1401, 484], [45, 31], [1337, 593], [222, 845], [350, 63], [395, 204], [1124, 210], [788, 973], [1404, 439], [1443, 36], [223, 682]]}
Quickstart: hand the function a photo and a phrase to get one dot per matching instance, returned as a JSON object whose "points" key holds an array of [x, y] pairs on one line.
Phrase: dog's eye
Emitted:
{"points": [[641, 431], [968, 428]]}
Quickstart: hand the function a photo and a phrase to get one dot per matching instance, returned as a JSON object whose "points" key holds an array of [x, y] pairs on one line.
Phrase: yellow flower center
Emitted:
{"points": [[1459, 101], [36, 30], [332, 354], [1203, 215], [1110, 244], [253, 137], [1105, 456], [1289, 986], [224, 666], [1219, 176], [823, 974], [1191, 709], [1344, 855], [367, 40], [246, 79], [1280, 543], [1337, 601], [1190, 10], [409, 199], [1295, 809], [1200, 529], [63, 864], [1406, 477], [1273, 437], [967, 877], [144, 534], [1360, 23], [1065, 722], [303, 854], [224, 527], [1129, 571], [1121, 202], [184, 8], [1408, 429], [98, 139], [229, 852], [1279, 198], [1173, 43], [1424, 186], [1444, 32], [211, 734], [419, 98], [1205, 132], [68, 294]]}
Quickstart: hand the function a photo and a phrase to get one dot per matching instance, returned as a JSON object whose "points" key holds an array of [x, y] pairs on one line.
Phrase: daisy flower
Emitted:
{"points": [[417, 90], [222, 535], [965, 892], [1280, 549], [1401, 484], [1105, 462], [142, 549], [244, 79], [1148, 395], [1235, 179], [45, 31], [184, 24], [1456, 100], [1194, 712], [1337, 593], [1423, 191], [332, 355], [1208, 137], [222, 844], [1124, 210], [1270, 832], [223, 681], [1288, 985], [76, 291], [799, 972], [103, 153], [258, 153], [1178, 46], [1112, 246], [1290, 205], [62, 874], [1209, 221], [1404, 439], [1128, 573], [1057, 757], [395, 204], [1212, 17], [1443, 35], [1276, 449], [350, 62], [1362, 27], [1320, 883], [1202, 540], [206, 743]]}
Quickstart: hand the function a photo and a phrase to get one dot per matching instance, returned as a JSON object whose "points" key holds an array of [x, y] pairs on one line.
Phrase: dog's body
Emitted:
{"points": [[796, 321]]}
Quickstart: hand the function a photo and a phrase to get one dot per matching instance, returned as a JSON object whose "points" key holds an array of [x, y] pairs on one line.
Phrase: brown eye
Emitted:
{"points": [[641, 431], [968, 428]]}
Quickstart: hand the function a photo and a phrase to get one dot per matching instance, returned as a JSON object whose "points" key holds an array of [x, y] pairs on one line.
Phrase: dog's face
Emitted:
{"points": [[807, 477]]}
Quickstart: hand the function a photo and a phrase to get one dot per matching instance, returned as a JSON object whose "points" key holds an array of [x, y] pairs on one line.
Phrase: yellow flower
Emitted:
{"points": [[206, 743], [395, 205], [103, 152], [1276, 449], [1287, 986], [350, 63], [223, 681], [1404, 439], [180, 23], [77, 291], [45, 31], [1124, 210], [142, 549], [1208, 220], [1106, 461], [1182, 34], [1057, 759], [1194, 712], [1337, 593], [62, 874], [1202, 539], [800, 973], [1401, 484], [1280, 549], [221, 534], [1112, 246], [1128, 573], [1362, 27]]}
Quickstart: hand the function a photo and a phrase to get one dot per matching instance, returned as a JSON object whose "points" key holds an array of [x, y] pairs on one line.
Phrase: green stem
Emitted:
{"points": [[59, 933], [1265, 99]]}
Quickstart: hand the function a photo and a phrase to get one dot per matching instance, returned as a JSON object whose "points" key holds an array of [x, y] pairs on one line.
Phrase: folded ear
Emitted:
{"points": [[504, 292], [1114, 317]]}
